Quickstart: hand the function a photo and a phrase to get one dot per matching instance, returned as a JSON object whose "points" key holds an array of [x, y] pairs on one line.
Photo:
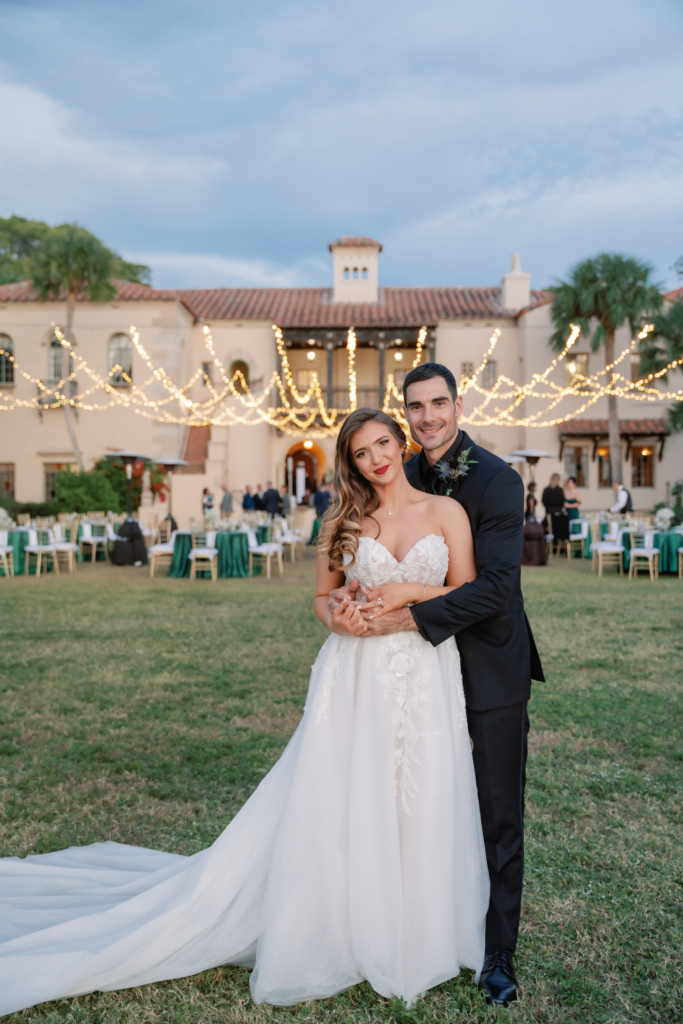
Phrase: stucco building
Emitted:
{"points": [[314, 322]]}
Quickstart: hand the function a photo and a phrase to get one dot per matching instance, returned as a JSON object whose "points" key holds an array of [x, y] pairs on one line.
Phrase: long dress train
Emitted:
{"points": [[359, 856]]}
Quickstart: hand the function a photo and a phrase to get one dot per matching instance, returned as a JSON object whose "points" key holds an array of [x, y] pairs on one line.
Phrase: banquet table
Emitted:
{"points": [[233, 554], [667, 543], [18, 539]]}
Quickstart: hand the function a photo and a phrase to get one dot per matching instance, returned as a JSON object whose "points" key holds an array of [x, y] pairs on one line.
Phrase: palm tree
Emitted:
{"points": [[70, 262], [663, 346], [602, 293]]}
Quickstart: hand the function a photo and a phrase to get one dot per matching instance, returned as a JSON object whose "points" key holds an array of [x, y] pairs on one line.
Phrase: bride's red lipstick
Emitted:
{"points": [[381, 470]]}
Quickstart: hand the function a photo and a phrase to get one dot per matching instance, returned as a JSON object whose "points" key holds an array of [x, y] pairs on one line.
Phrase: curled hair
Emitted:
{"points": [[354, 497]]}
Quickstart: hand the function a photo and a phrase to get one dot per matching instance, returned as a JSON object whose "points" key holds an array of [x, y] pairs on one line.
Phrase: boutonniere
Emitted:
{"points": [[454, 470]]}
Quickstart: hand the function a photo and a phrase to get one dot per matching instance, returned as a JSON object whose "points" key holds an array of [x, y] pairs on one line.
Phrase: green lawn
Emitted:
{"points": [[146, 711]]}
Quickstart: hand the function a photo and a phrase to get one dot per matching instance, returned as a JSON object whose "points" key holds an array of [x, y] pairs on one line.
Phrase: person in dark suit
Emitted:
{"points": [[322, 499], [258, 499], [497, 649], [271, 500], [248, 500]]}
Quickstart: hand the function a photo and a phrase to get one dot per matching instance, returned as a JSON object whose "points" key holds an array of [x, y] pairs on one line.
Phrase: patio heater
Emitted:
{"points": [[170, 465], [532, 455], [129, 548]]}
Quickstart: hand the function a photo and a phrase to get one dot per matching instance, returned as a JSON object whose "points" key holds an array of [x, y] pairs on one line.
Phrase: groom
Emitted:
{"points": [[497, 649]]}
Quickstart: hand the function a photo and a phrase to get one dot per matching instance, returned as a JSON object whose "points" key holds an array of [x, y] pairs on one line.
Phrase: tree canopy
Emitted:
{"points": [[69, 260], [18, 239], [22, 239], [601, 294], [663, 346]]}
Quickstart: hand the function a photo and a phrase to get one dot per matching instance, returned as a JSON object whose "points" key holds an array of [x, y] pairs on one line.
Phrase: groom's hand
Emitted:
{"points": [[399, 621]]}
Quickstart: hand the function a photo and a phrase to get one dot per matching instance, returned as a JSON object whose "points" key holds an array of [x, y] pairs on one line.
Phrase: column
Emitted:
{"points": [[330, 373]]}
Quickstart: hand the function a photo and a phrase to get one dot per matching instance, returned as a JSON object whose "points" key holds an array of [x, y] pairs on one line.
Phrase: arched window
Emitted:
{"points": [[365, 273], [240, 365], [355, 273], [347, 273], [6, 364], [120, 359], [56, 361]]}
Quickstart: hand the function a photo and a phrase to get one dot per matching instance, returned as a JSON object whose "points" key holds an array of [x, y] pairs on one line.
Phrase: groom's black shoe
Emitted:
{"points": [[497, 979]]}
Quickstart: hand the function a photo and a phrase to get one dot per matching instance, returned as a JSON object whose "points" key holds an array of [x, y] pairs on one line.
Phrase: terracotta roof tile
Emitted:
{"points": [[675, 296], [635, 428], [313, 307], [355, 242]]}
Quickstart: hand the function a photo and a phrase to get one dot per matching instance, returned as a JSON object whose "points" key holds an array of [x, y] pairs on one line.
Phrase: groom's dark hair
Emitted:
{"points": [[425, 372]]}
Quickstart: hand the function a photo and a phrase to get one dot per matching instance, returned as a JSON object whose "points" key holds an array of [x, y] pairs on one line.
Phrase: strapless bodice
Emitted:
{"points": [[375, 566]]}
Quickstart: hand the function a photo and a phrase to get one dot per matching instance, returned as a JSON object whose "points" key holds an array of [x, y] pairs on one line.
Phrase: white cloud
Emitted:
{"points": [[187, 270], [54, 163]]}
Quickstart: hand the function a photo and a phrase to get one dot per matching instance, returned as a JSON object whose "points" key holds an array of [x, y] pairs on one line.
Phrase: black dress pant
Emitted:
{"points": [[499, 739]]}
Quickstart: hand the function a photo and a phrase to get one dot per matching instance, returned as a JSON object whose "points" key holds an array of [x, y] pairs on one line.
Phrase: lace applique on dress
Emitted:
{"points": [[398, 654]]}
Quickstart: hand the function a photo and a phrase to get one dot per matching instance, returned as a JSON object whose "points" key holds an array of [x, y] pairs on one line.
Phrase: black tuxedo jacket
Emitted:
{"points": [[487, 618]]}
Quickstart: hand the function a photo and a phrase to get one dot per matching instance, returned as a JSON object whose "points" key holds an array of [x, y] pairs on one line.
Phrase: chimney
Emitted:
{"points": [[516, 293], [355, 269]]}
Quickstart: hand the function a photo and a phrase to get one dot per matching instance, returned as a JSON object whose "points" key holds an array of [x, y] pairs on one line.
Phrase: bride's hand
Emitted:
{"points": [[346, 617], [388, 598]]}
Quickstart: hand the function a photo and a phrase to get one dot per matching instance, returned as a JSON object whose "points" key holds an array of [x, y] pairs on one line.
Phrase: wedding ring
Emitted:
{"points": [[380, 602]]}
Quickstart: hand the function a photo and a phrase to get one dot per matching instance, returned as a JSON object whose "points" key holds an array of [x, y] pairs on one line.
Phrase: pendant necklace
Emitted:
{"points": [[389, 511]]}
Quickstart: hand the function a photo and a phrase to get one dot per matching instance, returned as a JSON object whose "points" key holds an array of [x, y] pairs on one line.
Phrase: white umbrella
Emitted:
{"points": [[512, 459]]}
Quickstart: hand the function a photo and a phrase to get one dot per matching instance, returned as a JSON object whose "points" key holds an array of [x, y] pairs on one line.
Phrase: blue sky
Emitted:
{"points": [[226, 143]]}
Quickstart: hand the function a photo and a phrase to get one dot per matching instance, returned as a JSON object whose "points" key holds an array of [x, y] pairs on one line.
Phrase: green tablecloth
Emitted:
{"points": [[667, 545], [317, 523], [233, 555], [17, 539]]}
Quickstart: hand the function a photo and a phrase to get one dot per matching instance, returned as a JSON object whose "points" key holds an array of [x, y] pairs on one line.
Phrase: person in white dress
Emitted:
{"points": [[360, 855]]}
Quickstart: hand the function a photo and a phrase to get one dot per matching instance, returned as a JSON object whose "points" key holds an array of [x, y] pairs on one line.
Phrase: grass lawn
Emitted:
{"points": [[146, 711]]}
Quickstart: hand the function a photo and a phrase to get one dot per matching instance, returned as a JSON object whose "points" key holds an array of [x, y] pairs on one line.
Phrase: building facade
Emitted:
{"points": [[460, 321]]}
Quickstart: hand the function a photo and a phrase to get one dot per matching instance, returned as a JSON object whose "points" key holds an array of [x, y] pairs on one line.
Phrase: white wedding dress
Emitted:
{"points": [[359, 857]]}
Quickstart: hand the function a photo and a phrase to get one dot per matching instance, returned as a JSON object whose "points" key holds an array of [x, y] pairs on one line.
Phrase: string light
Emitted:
{"points": [[306, 413]]}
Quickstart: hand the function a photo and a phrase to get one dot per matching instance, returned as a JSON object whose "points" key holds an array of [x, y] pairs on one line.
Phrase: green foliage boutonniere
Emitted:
{"points": [[455, 470]]}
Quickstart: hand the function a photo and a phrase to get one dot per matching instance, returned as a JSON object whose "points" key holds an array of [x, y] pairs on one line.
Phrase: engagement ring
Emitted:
{"points": [[380, 602]]}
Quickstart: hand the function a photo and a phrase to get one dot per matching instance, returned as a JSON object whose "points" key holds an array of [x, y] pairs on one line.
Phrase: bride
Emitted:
{"points": [[359, 856]]}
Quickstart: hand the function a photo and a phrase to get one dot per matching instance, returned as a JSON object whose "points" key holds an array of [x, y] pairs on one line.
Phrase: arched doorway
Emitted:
{"points": [[314, 463]]}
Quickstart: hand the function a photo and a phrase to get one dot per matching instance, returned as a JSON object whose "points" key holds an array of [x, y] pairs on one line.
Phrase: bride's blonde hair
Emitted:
{"points": [[353, 497]]}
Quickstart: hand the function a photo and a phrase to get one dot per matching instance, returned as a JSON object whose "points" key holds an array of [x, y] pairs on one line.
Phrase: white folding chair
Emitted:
{"points": [[579, 538], [94, 536], [264, 552], [6, 555], [643, 550], [606, 552], [162, 553], [203, 554], [41, 545], [65, 548]]}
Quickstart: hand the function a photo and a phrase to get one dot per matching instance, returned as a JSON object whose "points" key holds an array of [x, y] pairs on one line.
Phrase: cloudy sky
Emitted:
{"points": [[226, 143]]}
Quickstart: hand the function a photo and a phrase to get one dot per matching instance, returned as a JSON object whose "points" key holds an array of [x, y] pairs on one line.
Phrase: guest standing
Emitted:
{"points": [[286, 499], [271, 500], [553, 501], [248, 500], [207, 500], [531, 503], [258, 499], [226, 504], [572, 499], [322, 499], [623, 502]]}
